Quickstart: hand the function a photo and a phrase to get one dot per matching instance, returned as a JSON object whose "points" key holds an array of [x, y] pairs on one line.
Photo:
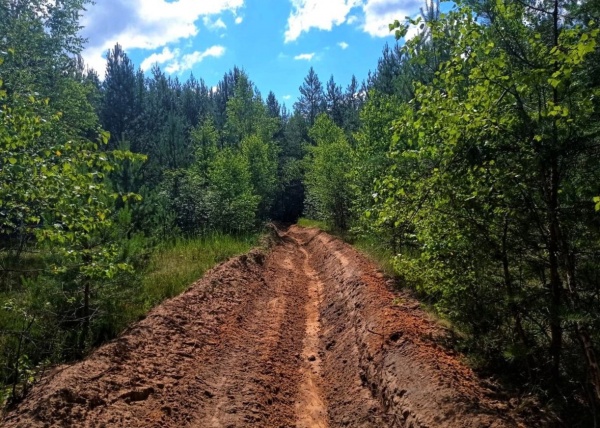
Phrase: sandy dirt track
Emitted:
{"points": [[307, 335]]}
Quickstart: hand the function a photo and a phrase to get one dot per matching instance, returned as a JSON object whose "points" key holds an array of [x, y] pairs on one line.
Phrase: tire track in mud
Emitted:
{"points": [[311, 408], [257, 369], [305, 336]]}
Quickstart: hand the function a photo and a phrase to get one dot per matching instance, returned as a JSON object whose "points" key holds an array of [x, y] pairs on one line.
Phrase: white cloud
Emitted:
{"points": [[380, 13], [305, 56], [412, 32], [239, 20], [95, 58], [159, 58], [287, 97], [323, 15], [144, 24], [214, 25], [220, 24], [343, 45], [187, 62]]}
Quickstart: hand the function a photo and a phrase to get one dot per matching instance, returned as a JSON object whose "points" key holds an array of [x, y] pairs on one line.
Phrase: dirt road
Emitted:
{"points": [[308, 335]]}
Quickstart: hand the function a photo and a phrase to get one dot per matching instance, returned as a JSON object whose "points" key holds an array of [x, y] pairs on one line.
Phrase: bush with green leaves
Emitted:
{"points": [[327, 173], [490, 188], [232, 203]]}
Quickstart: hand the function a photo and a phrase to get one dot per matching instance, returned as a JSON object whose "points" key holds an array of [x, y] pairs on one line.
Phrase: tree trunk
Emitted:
{"points": [[85, 324], [508, 283], [556, 287], [553, 186]]}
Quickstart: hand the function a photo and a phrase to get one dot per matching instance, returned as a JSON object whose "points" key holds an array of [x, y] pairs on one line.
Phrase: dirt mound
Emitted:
{"points": [[307, 336], [395, 346]]}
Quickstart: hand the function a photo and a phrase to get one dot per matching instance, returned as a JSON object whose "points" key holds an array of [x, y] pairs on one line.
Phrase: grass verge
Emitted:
{"points": [[176, 265], [377, 252], [369, 246], [38, 312], [306, 222]]}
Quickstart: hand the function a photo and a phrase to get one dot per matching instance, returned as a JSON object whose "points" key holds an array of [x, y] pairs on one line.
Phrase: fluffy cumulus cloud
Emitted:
{"points": [[380, 13], [305, 57], [187, 62], [319, 14], [214, 25], [145, 24], [324, 15], [352, 19], [159, 58], [343, 45]]}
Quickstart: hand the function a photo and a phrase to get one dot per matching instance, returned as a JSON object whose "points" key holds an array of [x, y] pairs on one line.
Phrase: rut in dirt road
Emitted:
{"points": [[308, 335]]}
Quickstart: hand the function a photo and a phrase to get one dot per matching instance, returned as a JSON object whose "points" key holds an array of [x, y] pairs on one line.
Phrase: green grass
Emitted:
{"points": [[176, 265], [369, 246], [306, 222], [34, 302], [377, 252]]}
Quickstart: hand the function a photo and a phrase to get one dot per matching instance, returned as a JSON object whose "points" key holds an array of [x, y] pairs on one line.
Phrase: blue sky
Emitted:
{"points": [[275, 41]]}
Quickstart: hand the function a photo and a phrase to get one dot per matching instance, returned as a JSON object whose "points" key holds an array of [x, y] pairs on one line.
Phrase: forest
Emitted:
{"points": [[467, 162]]}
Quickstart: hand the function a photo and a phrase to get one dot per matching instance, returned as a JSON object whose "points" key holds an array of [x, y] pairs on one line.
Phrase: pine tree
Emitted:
{"points": [[273, 107], [334, 100], [119, 86], [311, 102], [353, 100]]}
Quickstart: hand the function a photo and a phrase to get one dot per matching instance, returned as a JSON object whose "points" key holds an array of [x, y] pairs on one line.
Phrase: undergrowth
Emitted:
{"points": [[326, 227], [370, 246], [176, 265], [40, 321], [306, 222], [383, 256], [380, 254], [459, 338]]}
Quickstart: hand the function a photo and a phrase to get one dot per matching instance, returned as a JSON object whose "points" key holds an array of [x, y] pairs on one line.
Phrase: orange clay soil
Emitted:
{"points": [[308, 335]]}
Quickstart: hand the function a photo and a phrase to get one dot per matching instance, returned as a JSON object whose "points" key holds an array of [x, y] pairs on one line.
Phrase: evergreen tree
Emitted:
{"points": [[119, 86], [384, 80], [195, 103], [311, 102], [335, 102], [352, 100], [273, 107], [221, 95]]}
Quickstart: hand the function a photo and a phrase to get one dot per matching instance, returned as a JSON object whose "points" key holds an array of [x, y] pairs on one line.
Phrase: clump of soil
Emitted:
{"points": [[308, 335]]}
